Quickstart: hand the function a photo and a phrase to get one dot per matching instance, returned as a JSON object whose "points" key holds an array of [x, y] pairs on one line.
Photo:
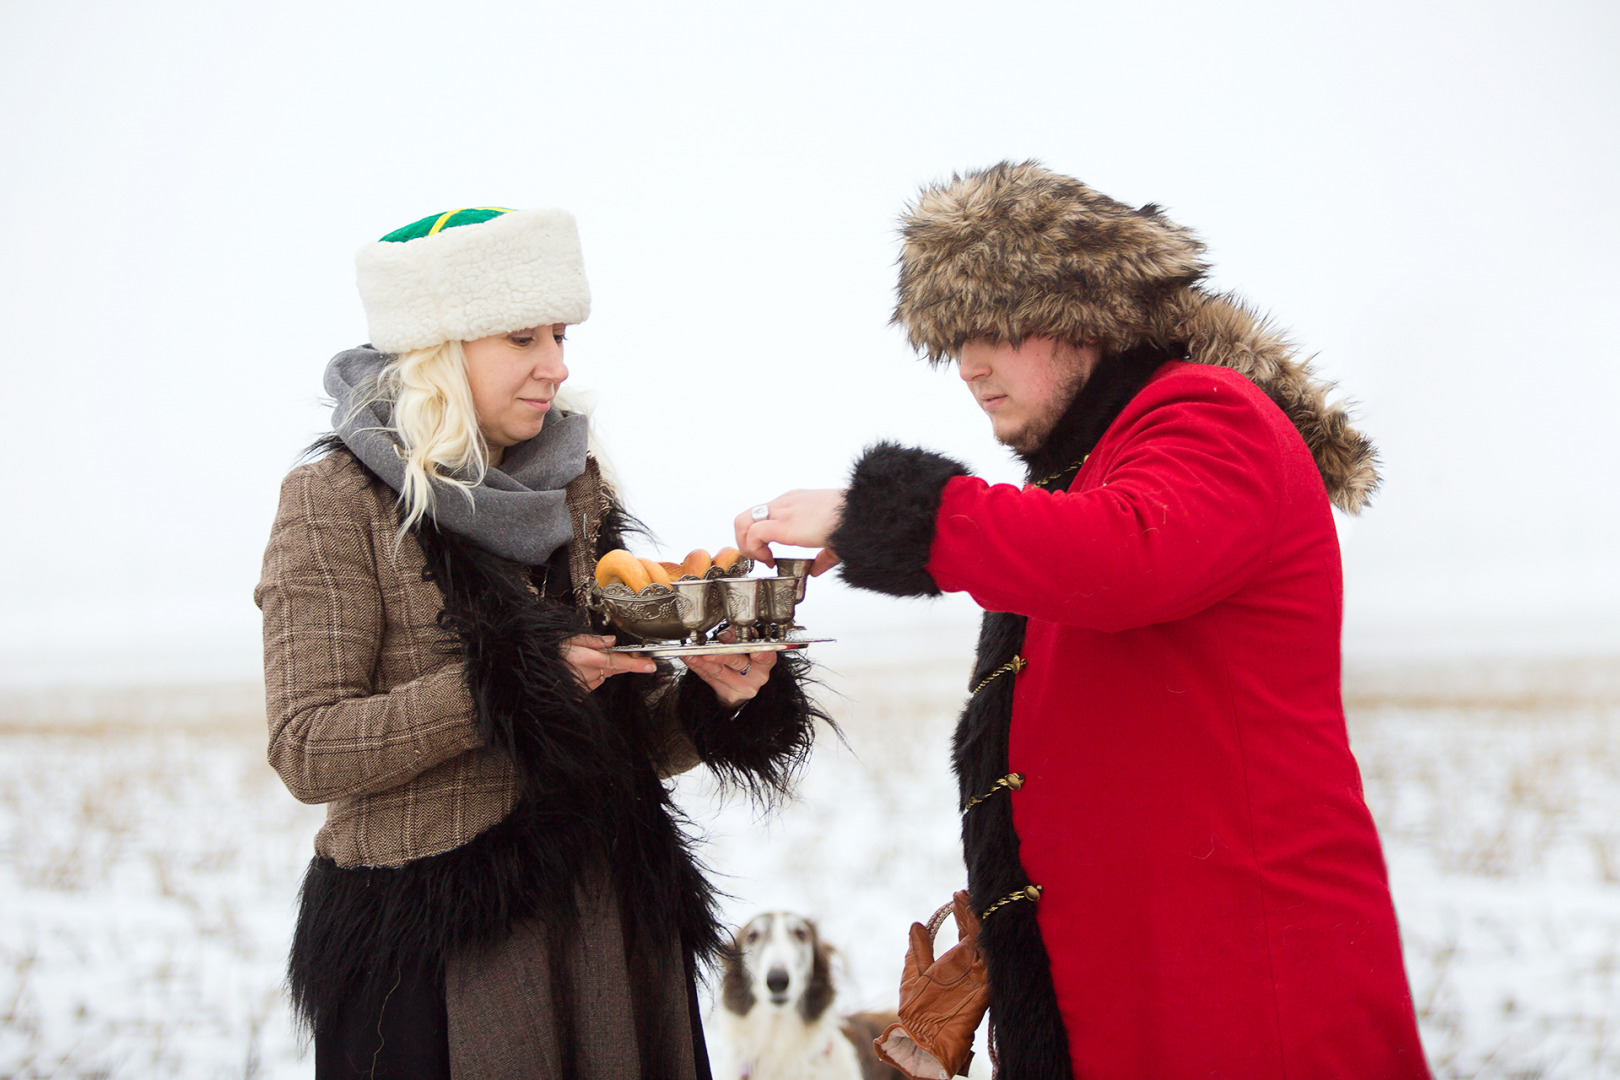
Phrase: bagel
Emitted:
{"points": [[656, 572], [725, 557], [620, 566], [697, 563]]}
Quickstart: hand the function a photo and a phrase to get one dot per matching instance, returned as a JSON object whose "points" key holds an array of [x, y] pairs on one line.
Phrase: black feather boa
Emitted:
{"points": [[885, 542], [592, 806]]}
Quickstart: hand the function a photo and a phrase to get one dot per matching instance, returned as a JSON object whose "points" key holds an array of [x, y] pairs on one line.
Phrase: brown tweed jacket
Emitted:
{"points": [[366, 696]]}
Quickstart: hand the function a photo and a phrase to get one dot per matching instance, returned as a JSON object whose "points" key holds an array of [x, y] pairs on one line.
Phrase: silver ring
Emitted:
{"points": [[746, 668], [760, 512]]}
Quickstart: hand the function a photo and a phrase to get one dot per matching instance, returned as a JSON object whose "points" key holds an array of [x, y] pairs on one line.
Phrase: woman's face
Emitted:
{"points": [[513, 379]]}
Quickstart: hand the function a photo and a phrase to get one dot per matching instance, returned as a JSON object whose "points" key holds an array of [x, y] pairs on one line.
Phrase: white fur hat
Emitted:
{"points": [[467, 274]]}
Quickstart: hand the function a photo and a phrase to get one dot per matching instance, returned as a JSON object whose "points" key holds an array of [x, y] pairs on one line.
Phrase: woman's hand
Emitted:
{"points": [[735, 677], [797, 518], [593, 665]]}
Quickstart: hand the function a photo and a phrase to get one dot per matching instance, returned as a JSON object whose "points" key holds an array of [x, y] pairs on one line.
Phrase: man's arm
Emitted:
{"points": [[1183, 516]]}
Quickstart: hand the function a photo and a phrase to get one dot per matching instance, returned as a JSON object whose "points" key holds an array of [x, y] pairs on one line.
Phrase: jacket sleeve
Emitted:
{"points": [[673, 751], [331, 734], [1182, 517]]}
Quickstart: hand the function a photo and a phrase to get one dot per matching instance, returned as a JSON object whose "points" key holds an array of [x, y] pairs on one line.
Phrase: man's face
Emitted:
{"points": [[1024, 390]]}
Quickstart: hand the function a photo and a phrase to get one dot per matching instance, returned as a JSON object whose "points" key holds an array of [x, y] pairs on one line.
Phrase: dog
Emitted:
{"points": [[775, 1014]]}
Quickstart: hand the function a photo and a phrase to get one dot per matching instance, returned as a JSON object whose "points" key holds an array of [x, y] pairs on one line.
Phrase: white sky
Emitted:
{"points": [[1425, 194]]}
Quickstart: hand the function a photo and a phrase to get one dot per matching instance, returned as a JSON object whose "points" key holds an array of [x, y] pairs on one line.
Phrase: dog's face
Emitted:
{"points": [[778, 961]]}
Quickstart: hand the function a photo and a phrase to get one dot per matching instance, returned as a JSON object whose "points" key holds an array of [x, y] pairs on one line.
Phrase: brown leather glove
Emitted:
{"points": [[941, 1002]]}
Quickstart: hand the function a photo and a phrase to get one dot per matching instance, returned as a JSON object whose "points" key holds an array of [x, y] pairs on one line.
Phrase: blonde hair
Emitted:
{"points": [[431, 414]]}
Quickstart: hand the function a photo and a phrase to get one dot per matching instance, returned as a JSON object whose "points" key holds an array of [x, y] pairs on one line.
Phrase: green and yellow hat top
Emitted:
{"points": [[468, 273]]}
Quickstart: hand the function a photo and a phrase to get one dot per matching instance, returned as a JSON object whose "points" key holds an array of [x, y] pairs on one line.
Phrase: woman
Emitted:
{"points": [[501, 887]]}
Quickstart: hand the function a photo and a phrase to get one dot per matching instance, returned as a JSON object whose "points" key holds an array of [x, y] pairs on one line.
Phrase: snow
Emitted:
{"points": [[152, 860]]}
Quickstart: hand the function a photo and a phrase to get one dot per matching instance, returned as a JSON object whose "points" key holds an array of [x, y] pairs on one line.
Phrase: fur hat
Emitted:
{"points": [[1018, 250], [467, 274]]}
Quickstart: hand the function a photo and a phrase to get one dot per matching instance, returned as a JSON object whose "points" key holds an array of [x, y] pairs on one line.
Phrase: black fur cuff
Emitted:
{"points": [[888, 524], [761, 746]]}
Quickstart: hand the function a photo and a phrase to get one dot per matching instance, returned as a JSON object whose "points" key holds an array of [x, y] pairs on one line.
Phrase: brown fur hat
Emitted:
{"points": [[1018, 250], [1015, 250]]}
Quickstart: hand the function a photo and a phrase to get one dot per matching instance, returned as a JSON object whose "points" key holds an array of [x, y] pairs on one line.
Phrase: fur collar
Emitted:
{"points": [[1222, 330]]}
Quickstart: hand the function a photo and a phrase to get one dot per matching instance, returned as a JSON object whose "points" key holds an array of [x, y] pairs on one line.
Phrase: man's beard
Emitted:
{"points": [[1083, 413], [1029, 439]]}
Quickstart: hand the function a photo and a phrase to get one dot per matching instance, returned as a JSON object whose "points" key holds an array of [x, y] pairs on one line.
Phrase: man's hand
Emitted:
{"points": [[804, 518]]}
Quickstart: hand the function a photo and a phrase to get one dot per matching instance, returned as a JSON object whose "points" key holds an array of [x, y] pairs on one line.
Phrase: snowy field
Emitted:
{"points": [[151, 860]]}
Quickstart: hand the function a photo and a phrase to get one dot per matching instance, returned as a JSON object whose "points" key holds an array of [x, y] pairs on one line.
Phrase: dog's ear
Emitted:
{"points": [[736, 988], [838, 972], [819, 991]]}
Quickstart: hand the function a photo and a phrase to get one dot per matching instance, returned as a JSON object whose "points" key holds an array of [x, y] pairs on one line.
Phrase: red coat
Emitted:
{"points": [[1215, 900]]}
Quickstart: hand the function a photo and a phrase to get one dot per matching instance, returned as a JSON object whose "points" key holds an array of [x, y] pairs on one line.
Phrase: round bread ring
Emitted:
{"points": [[655, 572], [621, 566], [725, 557], [697, 563]]}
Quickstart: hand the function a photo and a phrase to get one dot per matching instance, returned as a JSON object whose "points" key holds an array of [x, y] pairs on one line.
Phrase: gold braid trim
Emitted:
{"points": [[1028, 892], [1012, 782], [1074, 467], [1015, 665]]}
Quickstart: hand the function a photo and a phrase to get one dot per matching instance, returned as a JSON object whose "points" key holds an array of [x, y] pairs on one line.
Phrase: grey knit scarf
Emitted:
{"points": [[518, 512]]}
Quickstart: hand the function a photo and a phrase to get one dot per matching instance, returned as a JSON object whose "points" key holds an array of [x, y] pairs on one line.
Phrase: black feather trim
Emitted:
{"points": [[1031, 1039], [591, 806], [321, 447], [888, 521], [764, 745], [586, 761], [356, 924]]}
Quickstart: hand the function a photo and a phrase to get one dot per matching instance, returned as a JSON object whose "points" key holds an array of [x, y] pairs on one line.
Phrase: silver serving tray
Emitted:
{"points": [[717, 648]]}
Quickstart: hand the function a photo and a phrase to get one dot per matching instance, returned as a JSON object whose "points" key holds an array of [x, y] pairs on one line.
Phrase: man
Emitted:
{"points": [[1155, 739]]}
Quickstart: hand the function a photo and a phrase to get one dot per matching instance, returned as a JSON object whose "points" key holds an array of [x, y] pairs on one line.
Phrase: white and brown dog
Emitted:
{"points": [[775, 1017]]}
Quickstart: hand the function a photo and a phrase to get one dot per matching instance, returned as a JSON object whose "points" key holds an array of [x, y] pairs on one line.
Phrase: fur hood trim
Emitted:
{"points": [[1222, 330], [1017, 250]]}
